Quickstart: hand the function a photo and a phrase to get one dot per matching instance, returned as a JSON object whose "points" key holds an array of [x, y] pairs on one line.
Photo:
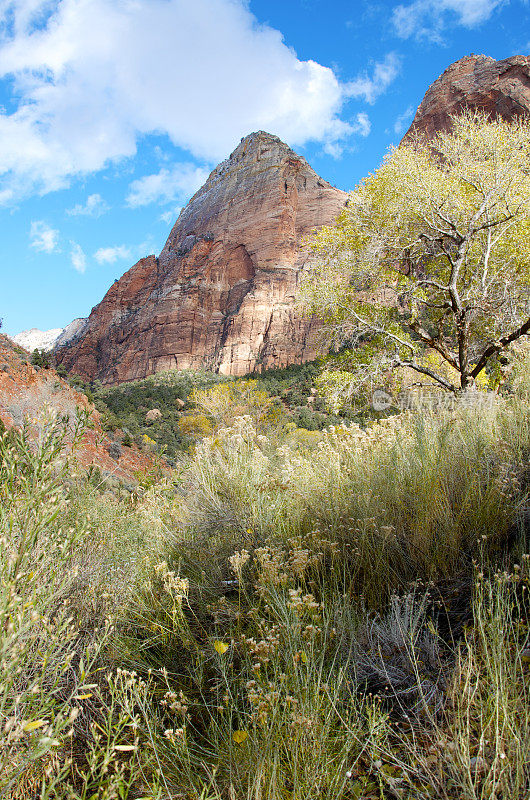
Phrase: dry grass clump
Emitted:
{"points": [[414, 496]]}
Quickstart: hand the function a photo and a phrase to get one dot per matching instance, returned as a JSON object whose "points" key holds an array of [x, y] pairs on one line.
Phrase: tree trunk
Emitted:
{"points": [[466, 381]]}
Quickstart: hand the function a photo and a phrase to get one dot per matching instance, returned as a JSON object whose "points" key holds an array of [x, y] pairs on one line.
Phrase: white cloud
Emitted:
{"points": [[179, 182], [426, 19], [91, 77], [383, 73], [169, 217], [362, 125], [109, 255], [43, 238], [333, 149], [77, 257], [95, 206], [403, 120]]}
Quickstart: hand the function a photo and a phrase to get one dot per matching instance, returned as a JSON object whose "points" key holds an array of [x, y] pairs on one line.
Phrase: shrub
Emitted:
{"points": [[50, 701]]}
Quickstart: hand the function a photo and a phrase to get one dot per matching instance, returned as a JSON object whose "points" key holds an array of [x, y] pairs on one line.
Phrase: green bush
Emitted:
{"points": [[40, 358]]}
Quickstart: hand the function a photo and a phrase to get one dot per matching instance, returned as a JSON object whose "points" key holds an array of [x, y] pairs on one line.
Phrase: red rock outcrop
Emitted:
{"points": [[221, 294], [31, 394], [500, 88]]}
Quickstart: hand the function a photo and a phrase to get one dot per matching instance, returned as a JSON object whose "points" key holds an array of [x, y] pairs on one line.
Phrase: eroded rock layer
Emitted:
{"points": [[221, 294]]}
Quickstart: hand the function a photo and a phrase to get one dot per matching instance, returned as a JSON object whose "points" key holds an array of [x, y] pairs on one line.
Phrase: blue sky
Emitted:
{"points": [[113, 112]]}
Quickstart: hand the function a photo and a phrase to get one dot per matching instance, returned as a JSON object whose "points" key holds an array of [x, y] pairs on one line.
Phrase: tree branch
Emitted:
{"points": [[500, 344], [383, 332], [428, 372], [434, 343]]}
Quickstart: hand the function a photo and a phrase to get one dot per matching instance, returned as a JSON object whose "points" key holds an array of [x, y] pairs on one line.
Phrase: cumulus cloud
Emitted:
{"points": [[179, 182], [95, 206], [109, 255], [369, 87], [91, 77], [360, 125], [425, 19], [43, 238], [77, 257], [403, 120]]}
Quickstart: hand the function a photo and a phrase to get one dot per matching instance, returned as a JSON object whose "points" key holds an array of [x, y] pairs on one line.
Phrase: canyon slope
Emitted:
{"points": [[35, 395], [221, 294]]}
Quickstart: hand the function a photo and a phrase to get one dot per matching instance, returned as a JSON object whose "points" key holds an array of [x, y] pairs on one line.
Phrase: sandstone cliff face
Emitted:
{"points": [[500, 88], [221, 294]]}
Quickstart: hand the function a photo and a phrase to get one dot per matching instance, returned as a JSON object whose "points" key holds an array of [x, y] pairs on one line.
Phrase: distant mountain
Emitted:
{"points": [[72, 330], [222, 293], [34, 339]]}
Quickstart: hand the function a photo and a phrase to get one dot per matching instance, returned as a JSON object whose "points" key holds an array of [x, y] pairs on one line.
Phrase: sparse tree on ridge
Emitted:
{"points": [[428, 266]]}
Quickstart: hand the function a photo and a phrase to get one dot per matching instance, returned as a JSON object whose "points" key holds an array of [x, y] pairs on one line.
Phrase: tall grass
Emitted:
{"points": [[415, 496], [63, 724], [340, 617]]}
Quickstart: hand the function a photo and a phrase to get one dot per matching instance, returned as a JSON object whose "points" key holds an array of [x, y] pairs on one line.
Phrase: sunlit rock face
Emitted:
{"points": [[221, 295], [500, 88]]}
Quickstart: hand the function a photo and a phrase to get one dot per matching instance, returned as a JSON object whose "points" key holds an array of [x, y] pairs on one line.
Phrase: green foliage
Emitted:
{"points": [[40, 358], [82, 386], [61, 371], [193, 404], [125, 406], [431, 256], [293, 384]]}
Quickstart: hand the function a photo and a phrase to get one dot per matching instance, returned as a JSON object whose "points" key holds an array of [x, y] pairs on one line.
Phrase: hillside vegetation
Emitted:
{"points": [[337, 616], [169, 411]]}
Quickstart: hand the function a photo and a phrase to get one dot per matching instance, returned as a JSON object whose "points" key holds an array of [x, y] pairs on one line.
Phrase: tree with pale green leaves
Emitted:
{"points": [[428, 266]]}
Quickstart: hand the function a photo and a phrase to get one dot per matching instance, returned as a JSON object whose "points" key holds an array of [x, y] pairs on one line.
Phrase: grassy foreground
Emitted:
{"points": [[338, 616]]}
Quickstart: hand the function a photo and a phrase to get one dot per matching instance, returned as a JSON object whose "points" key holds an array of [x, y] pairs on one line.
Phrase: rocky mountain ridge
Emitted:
{"points": [[35, 339], [500, 88], [221, 295]]}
